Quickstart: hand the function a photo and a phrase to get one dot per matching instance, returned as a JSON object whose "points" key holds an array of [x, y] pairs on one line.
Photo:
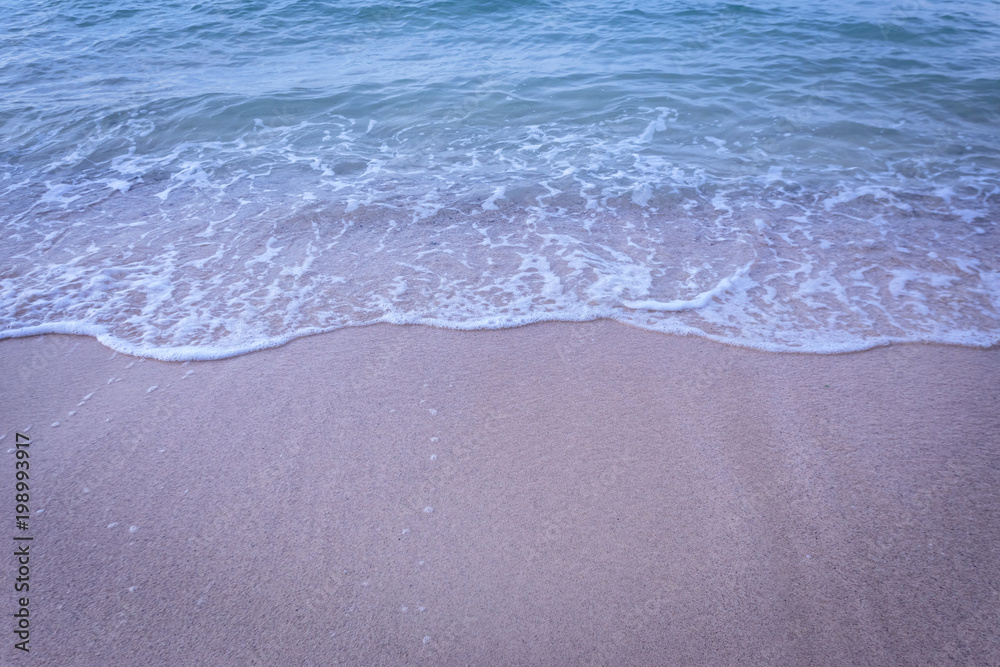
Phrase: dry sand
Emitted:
{"points": [[558, 494]]}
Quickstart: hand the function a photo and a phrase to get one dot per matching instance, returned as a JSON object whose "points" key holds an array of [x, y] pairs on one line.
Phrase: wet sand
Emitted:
{"points": [[557, 494]]}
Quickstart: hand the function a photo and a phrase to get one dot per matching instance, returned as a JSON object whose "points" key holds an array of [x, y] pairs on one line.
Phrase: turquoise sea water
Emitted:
{"points": [[194, 180]]}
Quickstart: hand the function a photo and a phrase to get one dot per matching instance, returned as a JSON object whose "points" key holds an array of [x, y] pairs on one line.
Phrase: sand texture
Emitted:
{"points": [[557, 494]]}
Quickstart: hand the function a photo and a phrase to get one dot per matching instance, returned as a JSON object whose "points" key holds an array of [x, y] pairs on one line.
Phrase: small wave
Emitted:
{"points": [[238, 175]]}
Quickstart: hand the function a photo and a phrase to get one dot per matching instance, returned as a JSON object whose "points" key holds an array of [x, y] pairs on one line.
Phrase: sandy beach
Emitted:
{"points": [[556, 494]]}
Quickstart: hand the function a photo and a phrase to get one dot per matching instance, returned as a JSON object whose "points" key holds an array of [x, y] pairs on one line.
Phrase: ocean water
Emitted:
{"points": [[190, 180]]}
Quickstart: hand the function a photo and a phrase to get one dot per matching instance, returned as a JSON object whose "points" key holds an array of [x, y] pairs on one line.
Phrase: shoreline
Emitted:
{"points": [[559, 493], [200, 353]]}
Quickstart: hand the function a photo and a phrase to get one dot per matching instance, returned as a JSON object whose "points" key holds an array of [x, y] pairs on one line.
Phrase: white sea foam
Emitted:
{"points": [[213, 248], [757, 279], [699, 301]]}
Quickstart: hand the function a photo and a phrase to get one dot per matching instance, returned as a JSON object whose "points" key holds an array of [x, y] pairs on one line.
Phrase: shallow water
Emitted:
{"points": [[195, 180]]}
